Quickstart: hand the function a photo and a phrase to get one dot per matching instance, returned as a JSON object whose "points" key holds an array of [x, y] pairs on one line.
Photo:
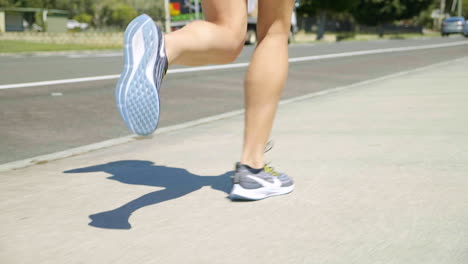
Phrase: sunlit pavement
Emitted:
{"points": [[380, 173]]}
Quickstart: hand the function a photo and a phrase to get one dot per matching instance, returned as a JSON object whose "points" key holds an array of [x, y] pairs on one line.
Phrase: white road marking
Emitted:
{"points": [[65, 81], [239, 65], [98, 55], [118, 141], [377, 51]]}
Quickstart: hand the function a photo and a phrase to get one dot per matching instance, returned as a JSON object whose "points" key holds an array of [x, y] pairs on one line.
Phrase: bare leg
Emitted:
{"points": [[266, 77], [217, 40]]}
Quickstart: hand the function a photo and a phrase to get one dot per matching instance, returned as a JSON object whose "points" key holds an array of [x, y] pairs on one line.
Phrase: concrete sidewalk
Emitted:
{"points": [[381, 177]]}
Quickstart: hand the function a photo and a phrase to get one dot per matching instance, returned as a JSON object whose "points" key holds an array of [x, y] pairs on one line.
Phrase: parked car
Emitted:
{"points": [[73, 24], [465, 29], [252, 12], [453, 25]]}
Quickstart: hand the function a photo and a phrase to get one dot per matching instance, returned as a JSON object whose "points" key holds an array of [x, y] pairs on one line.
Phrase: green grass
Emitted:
{"points": [[14, 46], [394, 36], [311, 37]]}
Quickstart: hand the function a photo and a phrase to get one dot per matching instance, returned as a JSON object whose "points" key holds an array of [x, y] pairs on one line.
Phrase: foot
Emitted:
{"points": [[137, 92], [251, 184]]}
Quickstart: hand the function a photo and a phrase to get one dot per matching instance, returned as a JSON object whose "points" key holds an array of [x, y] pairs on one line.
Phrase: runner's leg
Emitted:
{"points": [[266, 77], [217, 40]]}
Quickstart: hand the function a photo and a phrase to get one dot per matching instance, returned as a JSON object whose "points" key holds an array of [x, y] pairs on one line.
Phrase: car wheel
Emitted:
{"points": [[251, 37]]}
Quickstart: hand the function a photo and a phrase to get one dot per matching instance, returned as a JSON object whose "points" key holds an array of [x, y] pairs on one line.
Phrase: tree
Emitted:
{"points": [[100, 13], [7, 3], [465, 8], [379, 12], [451, 7], [154, 8], [122, 14], [84, 18], [322, 8], [32, 3], [425, 17]]}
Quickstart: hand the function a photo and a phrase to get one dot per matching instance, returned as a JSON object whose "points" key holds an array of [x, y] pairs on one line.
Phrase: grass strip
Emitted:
{"points": [[15, 46], [302, 37]]}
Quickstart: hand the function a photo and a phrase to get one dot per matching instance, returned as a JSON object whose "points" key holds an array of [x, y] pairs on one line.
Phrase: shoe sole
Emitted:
{"points": [[240, 193], [137, 93]]}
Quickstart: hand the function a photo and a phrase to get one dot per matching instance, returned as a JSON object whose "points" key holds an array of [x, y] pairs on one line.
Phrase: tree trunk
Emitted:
{"points": [[322, 23], [380, 31]]}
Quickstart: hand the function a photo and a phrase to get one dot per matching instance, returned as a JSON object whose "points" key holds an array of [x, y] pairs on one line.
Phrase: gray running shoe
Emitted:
{"points": [[257, 186], [137, 92]]}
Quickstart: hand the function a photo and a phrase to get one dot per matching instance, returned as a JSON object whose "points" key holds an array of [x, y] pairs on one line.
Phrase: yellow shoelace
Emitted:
{"points": [[270, 170]]}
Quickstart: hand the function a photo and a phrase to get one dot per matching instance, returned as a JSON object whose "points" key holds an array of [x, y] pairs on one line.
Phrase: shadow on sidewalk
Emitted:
{"points": [[176, 181]]}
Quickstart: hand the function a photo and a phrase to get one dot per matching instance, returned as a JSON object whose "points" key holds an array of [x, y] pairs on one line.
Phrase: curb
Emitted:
{"points": [[127, 139]]}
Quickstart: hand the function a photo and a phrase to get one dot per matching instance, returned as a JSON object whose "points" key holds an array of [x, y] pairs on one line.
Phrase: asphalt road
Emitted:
{"points": [[45, 119]]}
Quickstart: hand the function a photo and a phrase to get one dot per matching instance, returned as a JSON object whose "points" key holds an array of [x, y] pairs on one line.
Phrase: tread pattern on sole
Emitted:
{"points": [[137, 96]]}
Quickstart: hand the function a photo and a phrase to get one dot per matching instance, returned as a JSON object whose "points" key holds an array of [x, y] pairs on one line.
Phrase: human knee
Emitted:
{"points": [[233, 44], [232, 51], [278, 30]]}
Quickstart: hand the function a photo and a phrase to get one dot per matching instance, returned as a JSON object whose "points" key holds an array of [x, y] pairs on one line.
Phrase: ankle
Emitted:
{"points": [[254, 164]]}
